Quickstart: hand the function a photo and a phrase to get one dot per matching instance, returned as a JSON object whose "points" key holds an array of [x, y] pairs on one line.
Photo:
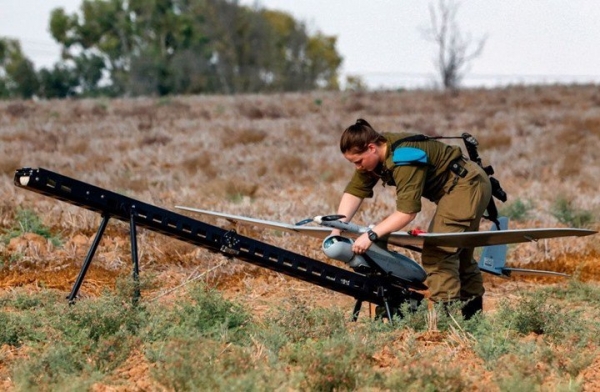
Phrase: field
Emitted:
{"points": [[277, 157]]}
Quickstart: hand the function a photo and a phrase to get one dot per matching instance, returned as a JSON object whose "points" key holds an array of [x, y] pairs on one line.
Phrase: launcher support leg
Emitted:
{"points": [[388, 311], [356, 310], [134, 257], [382, 293], [88, 259]]}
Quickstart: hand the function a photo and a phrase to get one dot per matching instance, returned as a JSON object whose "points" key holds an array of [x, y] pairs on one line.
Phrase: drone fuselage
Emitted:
{"points": [[377, 259]]}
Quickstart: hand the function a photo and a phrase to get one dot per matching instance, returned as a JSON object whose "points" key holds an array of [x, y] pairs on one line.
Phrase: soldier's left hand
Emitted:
{"points": [[361, 244]]}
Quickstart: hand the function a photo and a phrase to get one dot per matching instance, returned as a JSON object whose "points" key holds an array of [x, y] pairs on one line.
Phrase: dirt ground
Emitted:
{"points": [[256, 288]]}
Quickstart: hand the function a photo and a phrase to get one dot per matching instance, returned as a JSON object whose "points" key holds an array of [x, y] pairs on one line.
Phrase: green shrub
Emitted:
{"points": [[440, 376], [18, 329], [518, 210], [22, 317], [186, 364], [329, 364], [530, 314], [513, 380], [70, 345], [576, 290], [209, 314], [20, 300], [493, 339], [299, 322], [564, 211], [58, 364], [28, 222], [204, 342]]}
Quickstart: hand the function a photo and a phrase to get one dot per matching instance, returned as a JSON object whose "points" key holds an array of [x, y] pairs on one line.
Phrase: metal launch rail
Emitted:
{"points": [[377, 289]]}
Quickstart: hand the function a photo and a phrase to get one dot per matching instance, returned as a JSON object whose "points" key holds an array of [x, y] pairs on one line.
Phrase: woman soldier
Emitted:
{"points": [[421, 167]]}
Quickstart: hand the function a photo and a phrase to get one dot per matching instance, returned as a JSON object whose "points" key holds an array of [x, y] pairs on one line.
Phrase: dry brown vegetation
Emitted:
{"points": [[276, 157]]}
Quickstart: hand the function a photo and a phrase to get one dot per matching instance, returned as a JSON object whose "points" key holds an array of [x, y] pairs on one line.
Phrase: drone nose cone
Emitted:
{"points": [[333, 239], [340, 248]]}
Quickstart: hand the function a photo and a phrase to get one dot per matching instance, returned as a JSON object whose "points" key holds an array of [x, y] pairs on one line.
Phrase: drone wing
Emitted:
{"points": [[402, 238], [487, 238], [313, 231]]}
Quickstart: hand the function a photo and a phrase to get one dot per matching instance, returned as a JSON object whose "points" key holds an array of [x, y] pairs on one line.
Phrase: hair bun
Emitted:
{"points": [[363, 122]]}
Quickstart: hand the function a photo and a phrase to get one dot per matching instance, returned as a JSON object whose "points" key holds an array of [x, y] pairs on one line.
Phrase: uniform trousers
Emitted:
{"points": [[452, 273]]}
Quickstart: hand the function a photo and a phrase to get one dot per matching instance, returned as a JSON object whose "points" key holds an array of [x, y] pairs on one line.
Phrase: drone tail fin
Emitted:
{"points": [[493, 257]]}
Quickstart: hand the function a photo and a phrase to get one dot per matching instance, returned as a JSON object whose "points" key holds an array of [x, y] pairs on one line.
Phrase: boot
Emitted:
{"points": [[471, 307]]}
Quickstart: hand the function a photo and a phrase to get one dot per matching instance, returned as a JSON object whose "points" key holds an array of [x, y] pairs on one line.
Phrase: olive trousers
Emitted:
{"points": [[452, 273]]}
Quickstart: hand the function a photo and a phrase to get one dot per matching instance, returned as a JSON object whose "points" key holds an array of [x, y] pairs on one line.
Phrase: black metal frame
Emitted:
{"points": [[375, 289]]}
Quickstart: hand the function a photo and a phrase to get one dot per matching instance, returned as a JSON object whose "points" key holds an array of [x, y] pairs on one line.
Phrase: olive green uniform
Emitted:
{"points": [[452, 273]]}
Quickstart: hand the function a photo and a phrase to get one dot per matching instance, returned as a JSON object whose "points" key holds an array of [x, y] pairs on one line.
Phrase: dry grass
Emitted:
{"points": [[277, 157]]}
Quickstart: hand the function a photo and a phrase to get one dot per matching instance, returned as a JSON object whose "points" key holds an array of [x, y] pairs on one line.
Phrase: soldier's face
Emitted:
{"points": [[364, 161]]}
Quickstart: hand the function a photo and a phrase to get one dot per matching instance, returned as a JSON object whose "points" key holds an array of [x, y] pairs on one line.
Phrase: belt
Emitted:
{"points": [[457, 167]]}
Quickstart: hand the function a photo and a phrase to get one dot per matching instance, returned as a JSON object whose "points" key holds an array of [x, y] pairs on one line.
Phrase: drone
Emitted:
{"points": [[379, 259]]}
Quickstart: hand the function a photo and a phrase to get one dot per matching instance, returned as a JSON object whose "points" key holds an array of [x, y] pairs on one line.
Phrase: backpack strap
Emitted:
{"points": [[413, 138]]}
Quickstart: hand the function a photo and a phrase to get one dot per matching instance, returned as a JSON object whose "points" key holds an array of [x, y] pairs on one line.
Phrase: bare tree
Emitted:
{"points": [[455, 50]]}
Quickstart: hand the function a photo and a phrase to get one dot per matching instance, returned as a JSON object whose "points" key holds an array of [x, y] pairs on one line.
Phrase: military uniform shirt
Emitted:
{"points": [[411, 181]]}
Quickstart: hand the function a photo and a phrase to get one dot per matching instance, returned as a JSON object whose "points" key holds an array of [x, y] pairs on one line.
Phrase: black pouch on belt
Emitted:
{"points": [[457, 168]]}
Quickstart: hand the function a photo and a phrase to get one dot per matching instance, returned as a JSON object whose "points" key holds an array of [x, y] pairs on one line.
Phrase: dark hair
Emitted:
{"points": [[357, 137]]}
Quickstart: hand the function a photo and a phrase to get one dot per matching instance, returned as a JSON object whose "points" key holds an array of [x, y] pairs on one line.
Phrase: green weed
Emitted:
{"points": [[27, 221], [435, 377], [208, 365], [576, 290], [530, 315], [565, 212], [204, 342], [329, 364], [18, 329], [299, 322], [69, 344], [208, 314], [518, 210]]}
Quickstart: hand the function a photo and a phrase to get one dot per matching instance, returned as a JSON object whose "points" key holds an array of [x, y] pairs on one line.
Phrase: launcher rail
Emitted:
{"points": [[379, 290]]}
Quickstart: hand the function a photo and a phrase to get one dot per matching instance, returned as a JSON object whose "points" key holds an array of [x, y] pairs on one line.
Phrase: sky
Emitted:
{"points": [[382, 41]]}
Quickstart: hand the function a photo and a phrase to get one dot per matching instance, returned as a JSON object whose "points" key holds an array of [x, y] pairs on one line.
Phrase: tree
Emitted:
{"points": [[323, 61], [300, 61], [59, 82], [101, 31], [455, 51], [17, 73], [160, 47]]}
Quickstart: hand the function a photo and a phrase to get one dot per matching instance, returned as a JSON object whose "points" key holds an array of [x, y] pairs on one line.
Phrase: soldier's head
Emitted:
{"points": [[357, 137], [361, 145]]}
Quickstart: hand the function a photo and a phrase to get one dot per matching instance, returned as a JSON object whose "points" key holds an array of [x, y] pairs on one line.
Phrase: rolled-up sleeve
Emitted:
{"points": [[410, 182], [361, 185]]}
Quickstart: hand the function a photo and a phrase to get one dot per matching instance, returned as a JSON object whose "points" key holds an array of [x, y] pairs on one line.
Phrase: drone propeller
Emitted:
{"points": [[303, 222], [325, 218], [329, 218]]}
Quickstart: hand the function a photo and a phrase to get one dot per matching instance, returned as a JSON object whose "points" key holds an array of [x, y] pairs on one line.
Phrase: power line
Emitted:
{"points": [[469, 75], [409, 80]]}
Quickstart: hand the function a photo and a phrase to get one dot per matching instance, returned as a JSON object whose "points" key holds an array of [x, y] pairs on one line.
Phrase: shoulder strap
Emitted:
{"points": [[413, 138]]}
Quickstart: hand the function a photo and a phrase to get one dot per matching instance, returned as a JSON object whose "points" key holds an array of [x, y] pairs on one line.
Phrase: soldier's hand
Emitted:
{"points": [[361, 244]]}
